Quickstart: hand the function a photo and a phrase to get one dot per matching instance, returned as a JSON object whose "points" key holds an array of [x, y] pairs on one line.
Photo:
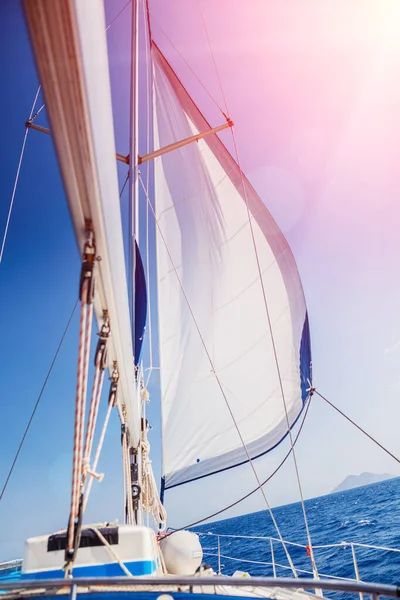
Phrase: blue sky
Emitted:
{"points": [[317, 125]]}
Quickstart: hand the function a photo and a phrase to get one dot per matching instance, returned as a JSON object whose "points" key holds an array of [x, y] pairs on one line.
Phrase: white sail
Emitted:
{"points": [[215, 338]]}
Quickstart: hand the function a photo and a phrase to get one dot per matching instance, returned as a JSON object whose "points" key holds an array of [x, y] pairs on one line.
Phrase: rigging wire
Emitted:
{"points": [[128, 510], [258, 487], [116, 17], [123, 187], [147, 34], [32, 116], [265, 303], [312, 392], [314, 566], [357, 426], [190, 68], [38, 400], [21, 156], [213, 58], [37, 113], [219, 383], [249, 216], [97, 455]]}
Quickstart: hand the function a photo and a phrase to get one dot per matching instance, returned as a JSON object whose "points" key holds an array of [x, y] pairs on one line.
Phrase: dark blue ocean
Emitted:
{"points": [[366, 515]]}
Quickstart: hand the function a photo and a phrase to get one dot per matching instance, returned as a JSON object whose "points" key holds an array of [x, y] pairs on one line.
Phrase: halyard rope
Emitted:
{"points": [[82, 453], [86, 293], [94, 409], [111, 551], [100, 365], [111, 404], [88, 334], [80, 402]]}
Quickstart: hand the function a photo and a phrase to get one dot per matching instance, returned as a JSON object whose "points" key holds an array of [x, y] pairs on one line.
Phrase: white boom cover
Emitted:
{"points": [[213, 324]]}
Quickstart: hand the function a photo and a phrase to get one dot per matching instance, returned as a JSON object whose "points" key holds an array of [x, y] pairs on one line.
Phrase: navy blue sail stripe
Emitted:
{"points": [[140, 305]]}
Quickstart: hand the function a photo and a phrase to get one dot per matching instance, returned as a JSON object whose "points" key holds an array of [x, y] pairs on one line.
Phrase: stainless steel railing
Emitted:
{"points": [[273, 562], [10, 566], [328, 581], [190, 584]]}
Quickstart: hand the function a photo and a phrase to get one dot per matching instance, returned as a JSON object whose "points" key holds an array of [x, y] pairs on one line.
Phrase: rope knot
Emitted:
{"points": [[85, 466], [98, 476], [145, 395]]}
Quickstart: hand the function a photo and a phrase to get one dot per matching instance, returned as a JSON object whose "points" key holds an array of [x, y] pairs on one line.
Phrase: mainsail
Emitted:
{"points": [[224, 361]]}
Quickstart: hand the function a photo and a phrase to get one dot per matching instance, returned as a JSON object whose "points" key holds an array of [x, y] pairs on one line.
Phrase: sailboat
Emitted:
{"points": [[234, 340]]}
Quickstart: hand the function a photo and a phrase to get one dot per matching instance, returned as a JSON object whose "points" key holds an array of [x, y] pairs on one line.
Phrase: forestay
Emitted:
{"points": [[215, 338]]}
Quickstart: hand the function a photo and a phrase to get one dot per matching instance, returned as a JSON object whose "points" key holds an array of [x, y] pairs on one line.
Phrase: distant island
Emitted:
{"points": [[354, 481]]}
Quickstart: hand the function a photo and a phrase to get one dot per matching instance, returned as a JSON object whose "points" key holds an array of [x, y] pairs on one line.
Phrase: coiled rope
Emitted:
{"points": [[150, 497]]}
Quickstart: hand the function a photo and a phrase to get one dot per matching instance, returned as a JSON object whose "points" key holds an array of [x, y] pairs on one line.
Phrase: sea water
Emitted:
{"points": [[366, 515]]}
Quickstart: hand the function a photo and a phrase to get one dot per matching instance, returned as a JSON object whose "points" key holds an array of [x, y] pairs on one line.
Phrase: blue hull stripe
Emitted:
{"points": [[138, 567]]}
